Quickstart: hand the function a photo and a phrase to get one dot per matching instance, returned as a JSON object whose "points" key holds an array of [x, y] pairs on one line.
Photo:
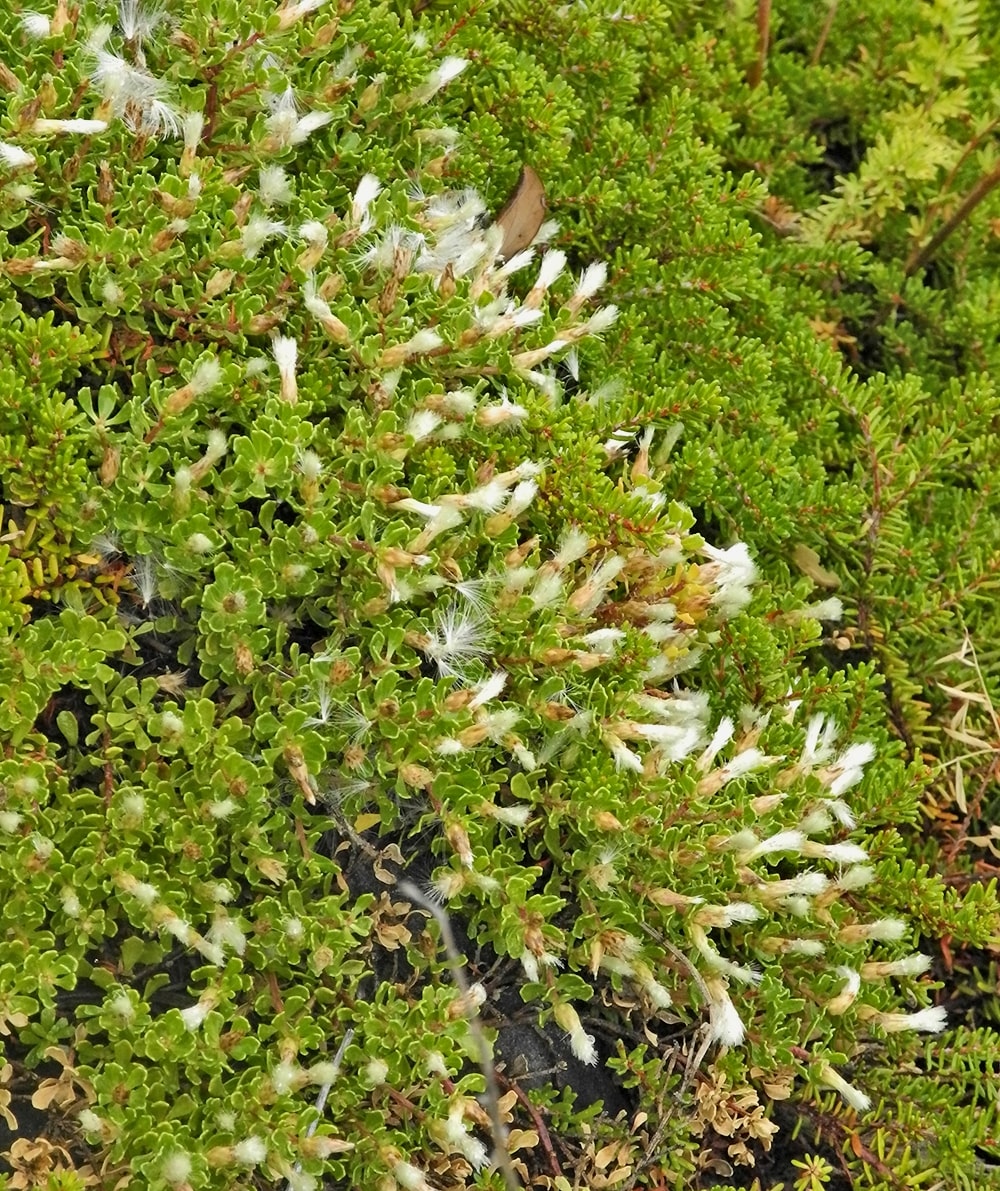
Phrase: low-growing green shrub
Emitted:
{"points": [[341, 552]]}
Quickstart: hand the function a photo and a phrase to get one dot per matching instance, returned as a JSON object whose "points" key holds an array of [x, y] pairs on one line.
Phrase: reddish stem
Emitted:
{"points": [[755, 74]]}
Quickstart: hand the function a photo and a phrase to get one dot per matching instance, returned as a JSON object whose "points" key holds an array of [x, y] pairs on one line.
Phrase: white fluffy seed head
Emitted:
{"points": [[176, 1168], [36, 24], [855, 1098], [144, 892], [192, 126], [376, 1072], [322, 1073], [422, 423], [856, 877], [368, 190], [286, 352], [274, 186], [810, 947], [572, 547], [207, 374], [284, 1078], [90, 1122], [725, 1025], [591, 280], [887, 930], [251, 1151], [171, 724], [910, 965], [553, 263], [435, 1064], [315, 234], [14, 157], [121, 1006], [928, 1021], [310, 465], [838, 853], [194, 1016], [458, 639]]}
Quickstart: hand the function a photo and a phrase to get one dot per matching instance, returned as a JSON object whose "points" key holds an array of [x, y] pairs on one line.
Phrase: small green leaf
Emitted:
{"points": [[69, 727]]}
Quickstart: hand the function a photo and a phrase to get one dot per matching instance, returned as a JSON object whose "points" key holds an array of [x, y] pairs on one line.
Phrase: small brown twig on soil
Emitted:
{"points": [[538, 1121], [652, 1147], [357, 840]]}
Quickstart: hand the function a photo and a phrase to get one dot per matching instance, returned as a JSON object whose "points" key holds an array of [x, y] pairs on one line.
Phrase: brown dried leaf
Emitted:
{"points": [[807, 560], [521, 1139], [606, 1155]]}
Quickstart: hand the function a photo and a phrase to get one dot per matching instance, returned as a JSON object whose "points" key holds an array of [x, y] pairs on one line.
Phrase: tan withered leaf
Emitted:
{"points": [[522, 214], [807, 561], [521, 1139]]}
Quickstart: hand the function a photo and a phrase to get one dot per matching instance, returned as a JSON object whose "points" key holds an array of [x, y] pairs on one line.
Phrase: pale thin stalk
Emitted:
{"points": [[501, 1155], [324, 1091]]}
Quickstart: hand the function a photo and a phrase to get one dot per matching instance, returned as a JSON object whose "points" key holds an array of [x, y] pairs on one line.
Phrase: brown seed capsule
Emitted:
{"points": [[109, 465]]}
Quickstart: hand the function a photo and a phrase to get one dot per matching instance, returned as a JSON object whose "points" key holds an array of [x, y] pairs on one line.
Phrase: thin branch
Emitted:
{"points": [[920, 256], [501, 1155], [755, 74], [696, 1058], [824, 33], [544, 1140], [357, 840], [970, 147]]}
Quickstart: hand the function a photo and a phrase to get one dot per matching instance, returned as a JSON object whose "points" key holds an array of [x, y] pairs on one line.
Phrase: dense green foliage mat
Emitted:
{"points": [[499, 701]]}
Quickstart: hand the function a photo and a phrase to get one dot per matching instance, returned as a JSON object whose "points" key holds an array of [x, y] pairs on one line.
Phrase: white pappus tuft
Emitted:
{"points": [[458, 638], [36, 24], [15, 157]]}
